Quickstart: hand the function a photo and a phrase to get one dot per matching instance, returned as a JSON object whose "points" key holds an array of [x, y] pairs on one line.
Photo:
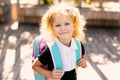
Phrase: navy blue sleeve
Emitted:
{"points": [[45, 58], [83, 50]]}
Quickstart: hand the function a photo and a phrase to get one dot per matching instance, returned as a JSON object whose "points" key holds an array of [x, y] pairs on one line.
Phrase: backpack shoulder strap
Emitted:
{"points": [[57, 61], [56, 57], [38, 45], [78, 51]]}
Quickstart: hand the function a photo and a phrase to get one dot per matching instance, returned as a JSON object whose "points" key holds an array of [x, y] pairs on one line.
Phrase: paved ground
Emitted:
{"points": [[102, 46]]}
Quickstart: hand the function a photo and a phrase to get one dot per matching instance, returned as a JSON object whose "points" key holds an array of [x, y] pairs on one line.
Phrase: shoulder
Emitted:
{"points": [[45, 55], [45, 50], [80, 44]]}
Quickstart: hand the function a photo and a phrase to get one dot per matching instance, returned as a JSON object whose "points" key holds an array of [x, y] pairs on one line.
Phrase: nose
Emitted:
{"points": [[62, 27]]}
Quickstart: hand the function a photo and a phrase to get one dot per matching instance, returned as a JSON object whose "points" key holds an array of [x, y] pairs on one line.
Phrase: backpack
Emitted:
{"points": [[38, 46]]}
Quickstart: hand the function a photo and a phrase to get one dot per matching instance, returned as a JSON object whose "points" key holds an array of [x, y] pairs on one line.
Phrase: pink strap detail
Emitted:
{"points": [[33, 53], [42, 44]]}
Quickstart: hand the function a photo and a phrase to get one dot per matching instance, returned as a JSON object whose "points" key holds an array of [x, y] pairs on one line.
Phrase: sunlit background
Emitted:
{"points": [[19, 25]]}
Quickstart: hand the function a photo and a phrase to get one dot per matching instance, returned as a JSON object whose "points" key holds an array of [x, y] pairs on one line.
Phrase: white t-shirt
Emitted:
{"points": [[68, 54]]}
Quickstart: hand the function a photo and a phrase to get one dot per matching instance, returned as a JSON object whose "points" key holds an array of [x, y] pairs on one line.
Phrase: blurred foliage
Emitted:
{"points": [[76, 1], [47, 1], [88, 1]]}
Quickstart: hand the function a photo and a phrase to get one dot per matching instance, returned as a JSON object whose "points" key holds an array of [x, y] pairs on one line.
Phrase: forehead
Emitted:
{"points": [[61, 17]]}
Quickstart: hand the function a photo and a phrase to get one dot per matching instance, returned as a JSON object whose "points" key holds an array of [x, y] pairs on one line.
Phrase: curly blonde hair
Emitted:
{"points": [[65, 9]]}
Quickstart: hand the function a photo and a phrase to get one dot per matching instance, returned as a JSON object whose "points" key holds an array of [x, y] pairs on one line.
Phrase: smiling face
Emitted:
{"points": [[63, 28]]}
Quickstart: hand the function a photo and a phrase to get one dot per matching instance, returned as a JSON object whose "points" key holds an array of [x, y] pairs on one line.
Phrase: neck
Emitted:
{"points": [[66, 42]]}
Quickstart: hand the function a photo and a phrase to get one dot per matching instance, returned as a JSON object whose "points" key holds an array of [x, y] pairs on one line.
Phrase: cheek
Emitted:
{"points": [[55, 31]]}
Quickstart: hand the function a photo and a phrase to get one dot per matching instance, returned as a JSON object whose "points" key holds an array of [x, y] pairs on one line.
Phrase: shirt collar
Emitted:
{"points": [[62, 47]]}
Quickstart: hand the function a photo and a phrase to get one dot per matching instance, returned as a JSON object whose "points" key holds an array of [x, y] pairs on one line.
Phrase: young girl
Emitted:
{"points": [[62, 25]]}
